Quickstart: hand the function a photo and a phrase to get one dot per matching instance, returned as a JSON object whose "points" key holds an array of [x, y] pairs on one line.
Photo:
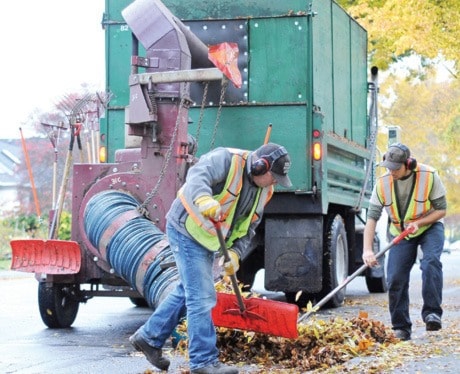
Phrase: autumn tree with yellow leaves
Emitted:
{"points": [[426, 108], [397, 28]]}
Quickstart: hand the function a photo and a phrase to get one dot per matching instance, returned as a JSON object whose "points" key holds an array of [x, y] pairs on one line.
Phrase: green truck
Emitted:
{"points": [[304, 84], [304, 72]]}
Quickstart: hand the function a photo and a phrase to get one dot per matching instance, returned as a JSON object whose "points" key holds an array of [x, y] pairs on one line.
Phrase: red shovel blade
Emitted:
{"points": [[225, 57], [45, 256], [261, 315]]}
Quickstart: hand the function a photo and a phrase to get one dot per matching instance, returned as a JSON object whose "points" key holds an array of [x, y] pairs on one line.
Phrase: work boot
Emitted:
{"points": [[216, 368], [151, 353], [402, 334], [433, 322]]}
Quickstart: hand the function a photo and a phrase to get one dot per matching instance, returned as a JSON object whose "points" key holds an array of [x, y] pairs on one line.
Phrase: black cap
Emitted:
{"points": [[396, 156], [279, 160]]}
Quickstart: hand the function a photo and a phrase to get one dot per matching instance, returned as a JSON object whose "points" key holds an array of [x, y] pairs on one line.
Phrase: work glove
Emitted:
{"points": [[231, 266], [208, 207]]}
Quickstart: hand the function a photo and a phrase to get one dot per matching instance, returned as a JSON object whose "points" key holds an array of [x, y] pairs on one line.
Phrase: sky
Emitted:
{"points": [[49, 49]]}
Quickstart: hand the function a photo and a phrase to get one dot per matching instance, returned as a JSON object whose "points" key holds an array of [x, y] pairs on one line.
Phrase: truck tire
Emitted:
{"points": [[300, 300], [376, 279], [58, 304], [335, 261], [376, 284]]}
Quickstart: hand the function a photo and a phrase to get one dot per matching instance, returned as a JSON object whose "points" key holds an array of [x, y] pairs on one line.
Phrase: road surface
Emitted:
{"points": [[98, 340]]}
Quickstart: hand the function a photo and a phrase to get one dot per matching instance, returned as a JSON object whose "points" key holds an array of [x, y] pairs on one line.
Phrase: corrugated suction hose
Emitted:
{"points": [[131, 244]]}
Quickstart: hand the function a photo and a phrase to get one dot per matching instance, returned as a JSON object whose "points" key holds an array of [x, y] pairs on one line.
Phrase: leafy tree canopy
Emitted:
{"points": [[425, 108], [428, 113], [396, 28]]}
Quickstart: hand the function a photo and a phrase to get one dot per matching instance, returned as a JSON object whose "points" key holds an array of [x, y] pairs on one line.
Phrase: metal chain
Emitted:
{"points": [[200, 119], [219, 110], [143, 207], [184, 103]]}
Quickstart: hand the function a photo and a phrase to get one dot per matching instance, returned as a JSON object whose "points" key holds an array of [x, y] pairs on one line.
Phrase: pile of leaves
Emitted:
{"points": [[321, 344]]}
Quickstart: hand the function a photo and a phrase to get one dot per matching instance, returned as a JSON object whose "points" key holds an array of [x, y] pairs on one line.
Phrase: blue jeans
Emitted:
{"points": [[400, 261], [194, 297]]}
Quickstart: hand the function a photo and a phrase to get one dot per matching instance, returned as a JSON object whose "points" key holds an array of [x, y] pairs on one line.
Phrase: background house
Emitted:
{"points": [[16, 195], [11, 181]]}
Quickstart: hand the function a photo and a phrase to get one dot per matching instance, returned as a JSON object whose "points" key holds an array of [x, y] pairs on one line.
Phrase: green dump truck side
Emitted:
{"points": [[304, 70]]}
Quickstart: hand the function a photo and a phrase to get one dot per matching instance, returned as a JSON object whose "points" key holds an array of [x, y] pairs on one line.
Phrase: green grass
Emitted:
{"points": [[5, 256], [5, 264]]}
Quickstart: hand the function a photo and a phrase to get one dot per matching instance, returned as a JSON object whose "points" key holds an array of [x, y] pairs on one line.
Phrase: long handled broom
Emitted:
{"points": [[347, 280]]}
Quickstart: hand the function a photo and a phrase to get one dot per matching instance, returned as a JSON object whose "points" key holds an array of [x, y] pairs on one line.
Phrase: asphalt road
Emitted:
{"points": [[98, 340]]}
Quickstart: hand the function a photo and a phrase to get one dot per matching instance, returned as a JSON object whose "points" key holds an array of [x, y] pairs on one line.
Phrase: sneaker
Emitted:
{"points": [[433, 322], [402, 334], [151, 353], [216, 368]]}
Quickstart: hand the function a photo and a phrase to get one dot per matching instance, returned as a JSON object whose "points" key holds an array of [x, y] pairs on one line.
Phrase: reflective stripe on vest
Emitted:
{"points": [[419, 203], [202, 230]]}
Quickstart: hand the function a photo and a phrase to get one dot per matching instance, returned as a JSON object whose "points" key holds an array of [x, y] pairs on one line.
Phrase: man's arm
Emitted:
{"points": [[368, 241], [430, 218], [211, 170], [439, 210]]}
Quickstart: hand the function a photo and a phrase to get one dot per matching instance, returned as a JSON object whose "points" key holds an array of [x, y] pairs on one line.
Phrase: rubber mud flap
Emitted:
{"points": [[45, 256]]}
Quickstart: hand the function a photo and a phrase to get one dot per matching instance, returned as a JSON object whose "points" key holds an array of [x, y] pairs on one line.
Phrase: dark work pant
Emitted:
{"points": [[400, 262]]}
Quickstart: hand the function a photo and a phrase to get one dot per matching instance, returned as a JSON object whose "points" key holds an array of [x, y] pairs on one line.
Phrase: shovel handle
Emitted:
{"points": [[268, 133], [347, 280], [224, 249], [31, 176]]}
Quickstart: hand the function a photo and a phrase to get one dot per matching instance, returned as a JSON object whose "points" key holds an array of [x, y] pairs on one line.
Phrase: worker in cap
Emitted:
{"points": [[275, 159], [414, 198], [396, 157], [231, 186]]}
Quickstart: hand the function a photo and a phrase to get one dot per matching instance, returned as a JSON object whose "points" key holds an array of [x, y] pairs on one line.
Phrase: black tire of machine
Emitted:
{"points": [[139, 301], [335, 260], [58, 304]]}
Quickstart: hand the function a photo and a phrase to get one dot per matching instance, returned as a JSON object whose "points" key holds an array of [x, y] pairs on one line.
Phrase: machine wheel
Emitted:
{"points": [[58, 304], [139, 301], [335, 261], [249, 268]]}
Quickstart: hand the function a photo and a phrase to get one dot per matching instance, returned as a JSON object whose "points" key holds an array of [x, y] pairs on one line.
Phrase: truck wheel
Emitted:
{"points": [[377, 285], [335, 261], [376, 279], [58, 304], [302, 300]]}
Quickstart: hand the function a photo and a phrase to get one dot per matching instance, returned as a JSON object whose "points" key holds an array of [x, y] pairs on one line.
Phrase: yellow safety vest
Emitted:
{"points": [[419, 203], [202, 230]]}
